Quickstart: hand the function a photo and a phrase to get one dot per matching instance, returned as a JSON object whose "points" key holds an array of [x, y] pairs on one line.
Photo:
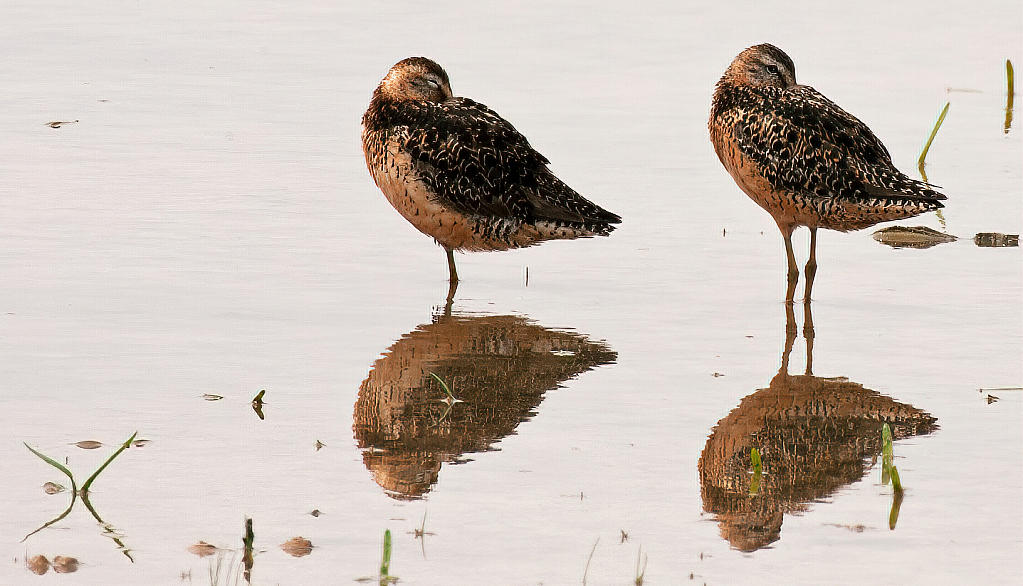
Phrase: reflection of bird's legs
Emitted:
{"points": [[811, 265], [790, 337], [450, 300], [793, 277], [808, 334], [809, 272]]}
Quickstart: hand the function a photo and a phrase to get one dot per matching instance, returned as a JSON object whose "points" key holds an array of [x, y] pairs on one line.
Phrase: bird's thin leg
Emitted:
{"points": [[452, 273], [452, 281], [793, 269], [811, 265]]}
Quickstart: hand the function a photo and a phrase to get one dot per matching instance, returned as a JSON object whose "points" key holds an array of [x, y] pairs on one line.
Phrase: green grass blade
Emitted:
{"points": [[754, 483], [124, 446], [893, 516], [59, 517], [887, 449], [896, 482], [385, 560], [758, 471], [55, 464], [74, 488], [1010, 94], [927, 147], [447, 391], [887, 454], [108, 529]]}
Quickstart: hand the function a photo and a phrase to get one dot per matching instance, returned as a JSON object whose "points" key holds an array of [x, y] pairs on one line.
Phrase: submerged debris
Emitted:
{"points": [[38, 564], [53, 488], [854, 528], [257, 403], [995, 240], [297, 547], [64, 564], [202, 549], [59, 123], [912, 237], [89, 444]]}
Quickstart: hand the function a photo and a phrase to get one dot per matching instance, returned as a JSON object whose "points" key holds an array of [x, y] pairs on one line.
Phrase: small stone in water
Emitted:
{"points": [[53, 488]]}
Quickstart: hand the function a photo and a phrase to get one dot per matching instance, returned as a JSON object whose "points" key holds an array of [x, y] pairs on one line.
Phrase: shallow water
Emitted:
{"points": [[207, 226]]}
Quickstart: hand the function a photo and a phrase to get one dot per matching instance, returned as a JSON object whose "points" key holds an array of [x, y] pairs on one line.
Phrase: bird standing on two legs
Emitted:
{"points": [[462, 174], [803, 158]]}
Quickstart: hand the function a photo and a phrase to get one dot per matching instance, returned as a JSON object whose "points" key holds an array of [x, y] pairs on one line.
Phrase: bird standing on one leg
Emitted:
{"points": [[462, 174], [803, 158]]}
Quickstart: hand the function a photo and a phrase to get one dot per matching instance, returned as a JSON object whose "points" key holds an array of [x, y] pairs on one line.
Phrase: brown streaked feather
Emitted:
{"points": [[801, 156], [454, 157]]}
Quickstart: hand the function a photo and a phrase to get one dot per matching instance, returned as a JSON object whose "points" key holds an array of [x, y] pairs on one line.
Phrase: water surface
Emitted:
{"points": [[207, 226]]}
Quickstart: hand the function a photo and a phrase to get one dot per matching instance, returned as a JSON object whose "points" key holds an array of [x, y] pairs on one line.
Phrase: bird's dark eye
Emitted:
{"points": [[773, 69]]}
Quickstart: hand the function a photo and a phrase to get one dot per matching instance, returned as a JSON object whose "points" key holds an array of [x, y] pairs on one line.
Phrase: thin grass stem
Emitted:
{"points": [[927, 147]]}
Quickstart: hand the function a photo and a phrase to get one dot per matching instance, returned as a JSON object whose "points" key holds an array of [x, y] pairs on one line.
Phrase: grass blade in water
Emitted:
{"points": [[124, 446], [887, 454], [447, 391], [55, 464], [74, 488], [893, 516], [927, 147], [896, 483], [758, 470], [754, 483], [887, 450], [1010, 94], [385, 560]]}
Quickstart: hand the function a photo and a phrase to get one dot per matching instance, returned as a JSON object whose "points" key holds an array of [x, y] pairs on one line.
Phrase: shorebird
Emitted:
{"points": [[460, 173], [803, 158]]}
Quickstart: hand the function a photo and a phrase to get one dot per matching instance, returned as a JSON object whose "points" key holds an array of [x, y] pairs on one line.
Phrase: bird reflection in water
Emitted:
{"points": [[498, 368], [815, 435]]}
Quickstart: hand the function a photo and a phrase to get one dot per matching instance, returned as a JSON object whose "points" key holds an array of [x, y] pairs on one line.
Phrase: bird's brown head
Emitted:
{"points": [[415, 79], [761, 66]]}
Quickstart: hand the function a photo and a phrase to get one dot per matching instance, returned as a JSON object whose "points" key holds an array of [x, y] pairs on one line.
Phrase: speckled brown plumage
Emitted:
{"points": [[803, 158], [462, 174]]}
